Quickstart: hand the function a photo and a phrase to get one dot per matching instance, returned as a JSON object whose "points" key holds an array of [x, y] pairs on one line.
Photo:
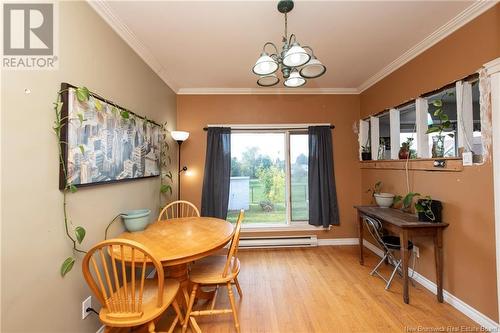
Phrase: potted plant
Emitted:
{"points": [[383, 200], [444, 124], [429, 210], [405, 151]]}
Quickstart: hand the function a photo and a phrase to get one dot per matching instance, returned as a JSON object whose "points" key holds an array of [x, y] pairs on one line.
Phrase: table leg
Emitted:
{"points": [[403, 238], [180, 273], [438, 257], [360, 235]]}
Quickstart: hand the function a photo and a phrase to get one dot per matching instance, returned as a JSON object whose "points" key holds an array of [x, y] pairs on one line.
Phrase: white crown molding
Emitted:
{"points": [[102, 8], [268, 91], [449, 298], [467, 15]]}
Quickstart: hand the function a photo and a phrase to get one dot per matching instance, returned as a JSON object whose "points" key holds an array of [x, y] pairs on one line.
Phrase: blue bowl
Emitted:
{"points": [[136, 220]]}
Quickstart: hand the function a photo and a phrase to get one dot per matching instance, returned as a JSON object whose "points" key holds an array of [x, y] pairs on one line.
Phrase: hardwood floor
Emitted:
{"points": [[324, 289]]}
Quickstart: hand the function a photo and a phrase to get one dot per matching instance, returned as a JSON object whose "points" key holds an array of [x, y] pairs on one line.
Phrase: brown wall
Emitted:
{"points": [[195, 112], [469, 241], [35, 298]]}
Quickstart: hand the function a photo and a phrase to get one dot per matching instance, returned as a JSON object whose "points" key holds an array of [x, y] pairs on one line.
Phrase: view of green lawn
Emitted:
{"points": [[257, 215]]}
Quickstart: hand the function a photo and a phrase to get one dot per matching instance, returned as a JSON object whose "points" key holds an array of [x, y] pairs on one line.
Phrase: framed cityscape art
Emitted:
{"points": [[104, 142]]}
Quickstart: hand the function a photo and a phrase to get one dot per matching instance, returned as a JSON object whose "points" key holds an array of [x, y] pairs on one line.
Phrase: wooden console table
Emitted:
{"points": [[406, 225]]}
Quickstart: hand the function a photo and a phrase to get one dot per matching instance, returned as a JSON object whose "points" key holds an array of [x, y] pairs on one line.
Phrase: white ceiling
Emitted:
{"points": [[212, 45]]}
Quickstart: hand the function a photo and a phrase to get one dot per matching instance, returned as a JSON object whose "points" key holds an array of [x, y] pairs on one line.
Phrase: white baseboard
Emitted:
{"points": [[449, 298], [337, 241]]}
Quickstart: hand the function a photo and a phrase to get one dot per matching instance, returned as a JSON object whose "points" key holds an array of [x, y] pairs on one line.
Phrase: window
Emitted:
{"points": [[477, 145], [384, 150], [449, 116], [269, 177], [408, 128]]}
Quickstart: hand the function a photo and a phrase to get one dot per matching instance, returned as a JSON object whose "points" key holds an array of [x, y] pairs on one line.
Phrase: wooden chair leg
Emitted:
{"points": [[214, 298], [194, 325], [189, 308], [177, 318], [233, 307], [238, 287], [151, 327]]}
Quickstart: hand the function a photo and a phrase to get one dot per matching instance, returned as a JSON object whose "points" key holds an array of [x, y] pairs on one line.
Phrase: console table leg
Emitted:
{"points": [[438, 253], [403, 237]]}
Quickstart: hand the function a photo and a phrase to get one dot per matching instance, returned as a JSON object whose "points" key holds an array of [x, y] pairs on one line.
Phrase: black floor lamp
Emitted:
{"points": [[180, 137]]}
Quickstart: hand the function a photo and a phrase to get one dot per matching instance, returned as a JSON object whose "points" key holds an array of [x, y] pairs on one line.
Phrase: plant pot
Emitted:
{"points": [[436, 208], [403, 154], [384, 200], [366, 156], [136, 220], [438, 146]]}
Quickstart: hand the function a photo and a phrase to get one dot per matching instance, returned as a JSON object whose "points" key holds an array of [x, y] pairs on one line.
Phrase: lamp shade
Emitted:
{"points": [[296, 56], [179, 135], [265, 65], [268, 80], [295, 80], [313, 69]]}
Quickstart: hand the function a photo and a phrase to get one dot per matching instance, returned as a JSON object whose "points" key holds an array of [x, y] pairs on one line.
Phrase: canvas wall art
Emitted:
{"points": [[106, 143]]}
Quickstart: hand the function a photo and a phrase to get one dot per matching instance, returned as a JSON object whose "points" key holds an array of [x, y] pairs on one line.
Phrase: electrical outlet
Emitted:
{"points": [[416, 250], [87, 303]]}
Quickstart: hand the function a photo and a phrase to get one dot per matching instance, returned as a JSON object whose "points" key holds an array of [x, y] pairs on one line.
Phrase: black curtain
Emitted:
{"points": [[323, 207], [215, 193]]}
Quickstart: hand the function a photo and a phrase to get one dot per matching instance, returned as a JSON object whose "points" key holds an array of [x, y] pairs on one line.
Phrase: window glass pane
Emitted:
{"points": [[477, 146], [448, 116], [408, 129], [384, 151], [299, 152], [258, 177]]}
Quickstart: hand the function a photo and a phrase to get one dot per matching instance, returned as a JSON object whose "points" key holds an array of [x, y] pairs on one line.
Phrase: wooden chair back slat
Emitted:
{"points": [[178, 209], [121, 294], [233, 249]]}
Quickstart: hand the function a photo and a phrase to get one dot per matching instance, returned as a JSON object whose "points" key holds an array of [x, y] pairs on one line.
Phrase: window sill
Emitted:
{"points": [[294, 226], [452, 164]]}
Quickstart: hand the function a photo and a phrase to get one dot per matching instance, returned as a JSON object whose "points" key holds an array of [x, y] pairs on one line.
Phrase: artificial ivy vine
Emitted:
{"points": [[77, 234]]}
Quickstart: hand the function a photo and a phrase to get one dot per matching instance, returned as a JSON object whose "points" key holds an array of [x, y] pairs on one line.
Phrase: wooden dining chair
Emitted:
{"points": [[178, 209], [115, 271], [215, 271]]}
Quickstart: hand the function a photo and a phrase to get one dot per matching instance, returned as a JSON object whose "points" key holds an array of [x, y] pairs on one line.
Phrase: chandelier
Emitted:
{"points": [[295, 63]]}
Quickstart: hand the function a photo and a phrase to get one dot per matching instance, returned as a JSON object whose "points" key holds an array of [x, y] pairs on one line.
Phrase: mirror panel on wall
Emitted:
{"points": [[408, 128], [384, 151], [477, 144], [443, 116]]}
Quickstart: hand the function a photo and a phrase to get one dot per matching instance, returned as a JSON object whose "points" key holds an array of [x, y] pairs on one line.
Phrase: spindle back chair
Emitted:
{"points": [[178, 209], [116, 271]]}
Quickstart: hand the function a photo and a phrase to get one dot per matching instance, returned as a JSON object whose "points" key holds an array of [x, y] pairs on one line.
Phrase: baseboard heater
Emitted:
{"points": [[278, 241]]}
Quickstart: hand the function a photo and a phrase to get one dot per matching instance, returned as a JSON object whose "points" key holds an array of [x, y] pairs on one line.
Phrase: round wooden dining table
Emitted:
{"points": [[179, 241]]}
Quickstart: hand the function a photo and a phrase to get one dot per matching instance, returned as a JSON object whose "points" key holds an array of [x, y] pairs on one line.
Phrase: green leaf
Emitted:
{"points": [[82, 93], [82, 149], [67, 265], [407, 200], [125, 114], [80, 117], [444, 117], [80, 234], [58, 106], [73, 188], [419, 207], [446, 124], [433, 129], [114, 110], [437, 112], [166, 188], [437, 103], [98, 104], [169, 175]]}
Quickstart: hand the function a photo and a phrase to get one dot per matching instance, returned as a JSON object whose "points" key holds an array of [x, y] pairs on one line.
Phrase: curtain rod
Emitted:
{"points": [[268, 127]]}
